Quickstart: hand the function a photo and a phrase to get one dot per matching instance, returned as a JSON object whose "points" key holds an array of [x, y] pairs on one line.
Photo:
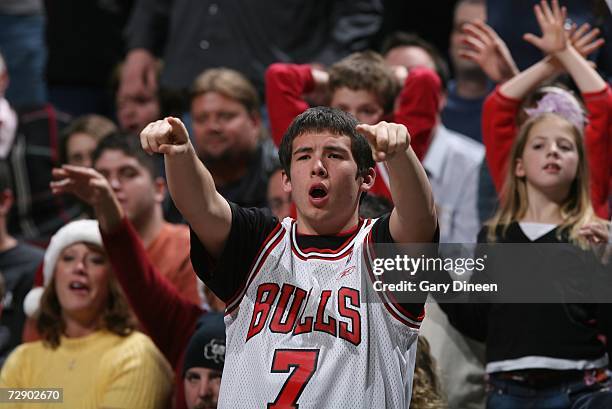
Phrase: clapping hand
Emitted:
{"points": [[585, 41], [488, 50], [552, 23]]}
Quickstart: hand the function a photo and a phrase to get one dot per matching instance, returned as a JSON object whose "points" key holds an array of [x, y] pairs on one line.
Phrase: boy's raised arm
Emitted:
{"points": [[413, 219], [191, 185]]}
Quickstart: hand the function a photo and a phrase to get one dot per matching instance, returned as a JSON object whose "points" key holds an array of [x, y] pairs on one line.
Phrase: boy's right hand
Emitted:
{"points": [[385, 139], [168, 136]]}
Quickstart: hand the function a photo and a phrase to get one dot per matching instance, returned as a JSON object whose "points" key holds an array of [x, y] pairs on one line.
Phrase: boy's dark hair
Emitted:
{"points": [[365, 71], [130, 146], [335, 121], [403, 39]]}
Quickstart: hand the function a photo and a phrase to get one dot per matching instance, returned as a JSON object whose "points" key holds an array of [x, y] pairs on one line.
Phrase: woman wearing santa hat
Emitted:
{"points": [[88, 345]]}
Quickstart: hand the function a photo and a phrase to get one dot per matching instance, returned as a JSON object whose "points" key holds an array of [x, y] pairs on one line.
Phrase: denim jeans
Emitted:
{"points": [[22, 44], [507, 394]]}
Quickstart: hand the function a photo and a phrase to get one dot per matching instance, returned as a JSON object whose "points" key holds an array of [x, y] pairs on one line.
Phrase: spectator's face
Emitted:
{"points": [[409, 57], [135, 111], [324, 183], [202, 388], [362, 104], [132, 183], [549, 162], [82, 277], [222, 127], [465, 13], [79, 148], [279, 201]]}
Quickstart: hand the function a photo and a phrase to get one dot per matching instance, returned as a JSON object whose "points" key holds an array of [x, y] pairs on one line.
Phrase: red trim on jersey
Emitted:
{"points": [[338, 257], [408, 322], [392, 297], [351, 230], [402, 314], [402, 319], [240, 292], [336, 254], [351, 233]]}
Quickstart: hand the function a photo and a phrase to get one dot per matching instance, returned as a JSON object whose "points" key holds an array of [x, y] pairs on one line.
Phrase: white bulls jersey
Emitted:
{"points": [[299, 332]]}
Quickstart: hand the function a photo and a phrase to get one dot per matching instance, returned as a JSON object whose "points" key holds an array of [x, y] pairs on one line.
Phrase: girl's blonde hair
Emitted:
{"points": [[576, 210]]}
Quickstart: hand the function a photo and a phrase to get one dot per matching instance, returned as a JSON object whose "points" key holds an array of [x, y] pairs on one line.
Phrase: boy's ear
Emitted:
{"points": [[368, 180], [286, 181], [519, 170]]}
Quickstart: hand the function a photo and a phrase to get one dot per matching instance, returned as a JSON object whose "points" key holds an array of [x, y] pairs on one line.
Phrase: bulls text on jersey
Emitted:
{"points": [[287, 318]]}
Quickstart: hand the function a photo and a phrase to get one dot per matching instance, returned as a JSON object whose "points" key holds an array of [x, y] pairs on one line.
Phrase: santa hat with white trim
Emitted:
{"points": [[80, 231]]}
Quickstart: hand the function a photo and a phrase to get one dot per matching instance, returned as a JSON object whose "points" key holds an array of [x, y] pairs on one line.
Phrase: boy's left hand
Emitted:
{"points": [[386, 139]]}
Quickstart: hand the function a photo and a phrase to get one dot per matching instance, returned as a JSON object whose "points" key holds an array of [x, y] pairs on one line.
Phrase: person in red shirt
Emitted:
{"points": [[502, 111], [170, 317], [363, 85]]}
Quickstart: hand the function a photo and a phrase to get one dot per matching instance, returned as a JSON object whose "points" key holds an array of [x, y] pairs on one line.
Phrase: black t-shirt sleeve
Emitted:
{"points": [[381, 234], [225, 276]]}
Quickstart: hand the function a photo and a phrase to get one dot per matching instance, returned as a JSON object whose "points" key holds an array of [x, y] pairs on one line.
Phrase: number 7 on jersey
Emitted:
{"points": [[304, 362]]}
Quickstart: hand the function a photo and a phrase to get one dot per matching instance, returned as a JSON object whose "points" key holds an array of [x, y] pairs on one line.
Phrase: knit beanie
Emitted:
{"points": [[206, 348], [80, 231]]}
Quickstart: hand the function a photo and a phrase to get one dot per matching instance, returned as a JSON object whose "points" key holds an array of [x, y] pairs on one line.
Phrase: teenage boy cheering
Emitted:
{"points": [[298, 329]]}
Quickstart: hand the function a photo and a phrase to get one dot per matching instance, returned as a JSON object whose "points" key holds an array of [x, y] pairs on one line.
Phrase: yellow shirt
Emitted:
{"points": [[101, 370]]}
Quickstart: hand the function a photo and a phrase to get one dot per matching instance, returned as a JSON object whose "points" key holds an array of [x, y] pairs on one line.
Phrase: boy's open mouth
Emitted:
{"points": [[317, 192], [318, 195]]}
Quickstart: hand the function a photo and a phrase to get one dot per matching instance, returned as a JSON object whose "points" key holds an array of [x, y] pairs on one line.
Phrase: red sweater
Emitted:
{"points": [[499, 130], [417, 106], [167, 317]]}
